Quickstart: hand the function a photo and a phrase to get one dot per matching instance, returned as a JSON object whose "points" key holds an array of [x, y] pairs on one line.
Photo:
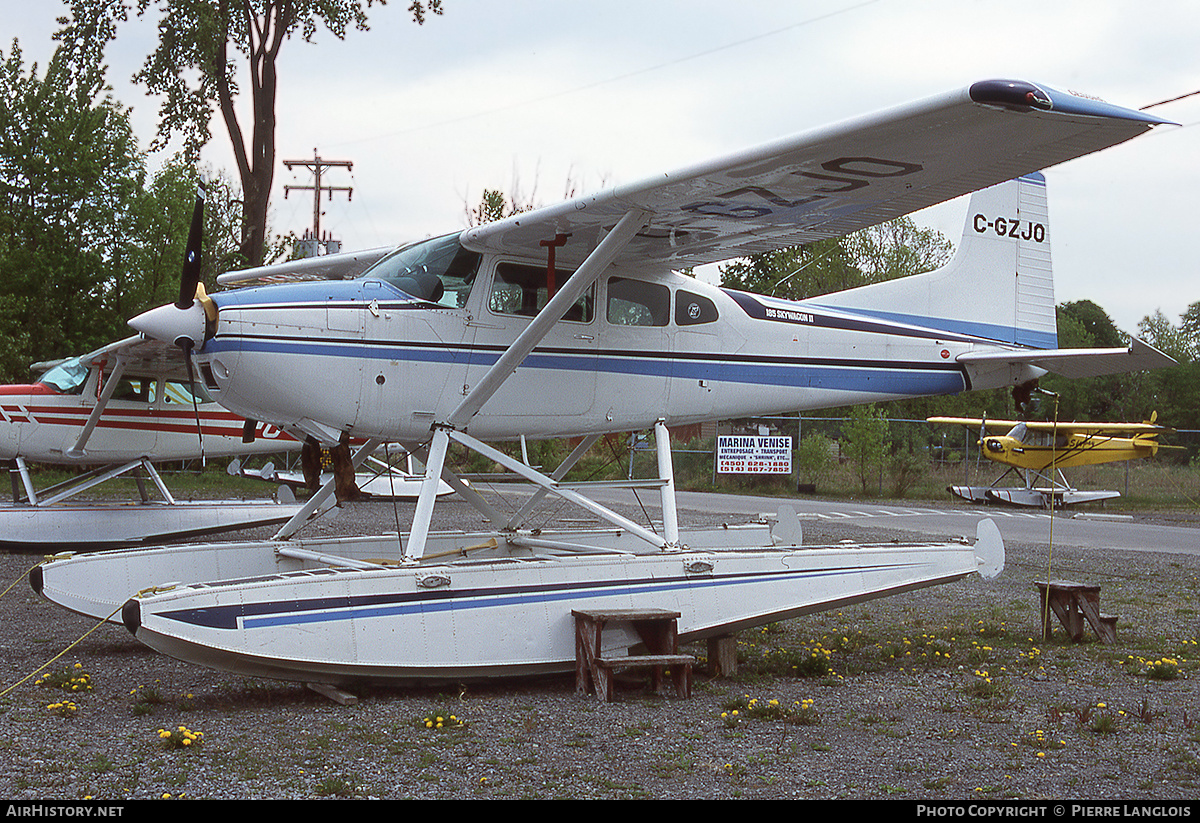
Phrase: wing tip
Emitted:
{"points": [[1023, 96]]}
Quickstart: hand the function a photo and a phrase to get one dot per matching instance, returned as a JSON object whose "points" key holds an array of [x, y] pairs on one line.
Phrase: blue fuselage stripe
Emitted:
{"points": [[885, 376]]}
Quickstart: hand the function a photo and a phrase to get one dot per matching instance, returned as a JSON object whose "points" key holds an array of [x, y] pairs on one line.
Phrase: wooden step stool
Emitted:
{"points": [[1074, 603], [658, 631]]}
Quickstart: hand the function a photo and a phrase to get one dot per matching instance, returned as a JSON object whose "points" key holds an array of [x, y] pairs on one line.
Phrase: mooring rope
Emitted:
{"points": [[60, 654]]}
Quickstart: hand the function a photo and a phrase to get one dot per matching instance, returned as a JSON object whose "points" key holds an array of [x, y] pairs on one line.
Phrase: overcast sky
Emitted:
{"points": [[498, 93]]}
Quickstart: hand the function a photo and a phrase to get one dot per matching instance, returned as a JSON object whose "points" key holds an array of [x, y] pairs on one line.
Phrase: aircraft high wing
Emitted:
{"points": [[1147, 430], [325, 267], [830, 182]]}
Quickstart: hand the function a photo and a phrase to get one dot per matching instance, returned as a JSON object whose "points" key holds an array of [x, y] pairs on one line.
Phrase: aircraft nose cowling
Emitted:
{"points": [[172, 324]]}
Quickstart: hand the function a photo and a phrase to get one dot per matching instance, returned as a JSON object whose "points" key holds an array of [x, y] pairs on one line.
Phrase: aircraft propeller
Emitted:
{"points": [[191, 257], [186, 322], [191, 290]]}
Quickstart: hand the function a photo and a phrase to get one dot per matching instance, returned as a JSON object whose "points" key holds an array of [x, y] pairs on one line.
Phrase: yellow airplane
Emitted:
{"points": [[1038, 451]]}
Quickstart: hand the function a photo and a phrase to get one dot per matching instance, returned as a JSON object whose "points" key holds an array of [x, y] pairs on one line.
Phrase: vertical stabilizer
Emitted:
{"points": [[999, 284]]}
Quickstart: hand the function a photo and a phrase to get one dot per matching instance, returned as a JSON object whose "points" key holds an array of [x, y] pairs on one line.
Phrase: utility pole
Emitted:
{"points": [[318, 166]]}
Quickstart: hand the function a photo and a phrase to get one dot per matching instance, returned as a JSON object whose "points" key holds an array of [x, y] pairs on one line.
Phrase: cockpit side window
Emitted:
{"points": [[521, 289], [134, 389], [438, 270]]}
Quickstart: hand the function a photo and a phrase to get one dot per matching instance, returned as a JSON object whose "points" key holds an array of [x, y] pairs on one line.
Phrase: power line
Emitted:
{"points": [[617, 78]]}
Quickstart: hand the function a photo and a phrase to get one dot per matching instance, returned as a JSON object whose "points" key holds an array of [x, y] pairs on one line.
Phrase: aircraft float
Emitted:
{"points": [[114, 411], [572, 321], [1038, 451]]}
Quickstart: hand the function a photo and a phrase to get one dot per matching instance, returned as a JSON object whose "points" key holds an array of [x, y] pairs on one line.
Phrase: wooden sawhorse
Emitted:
{"points": [[1074, 603], [659, 633]]}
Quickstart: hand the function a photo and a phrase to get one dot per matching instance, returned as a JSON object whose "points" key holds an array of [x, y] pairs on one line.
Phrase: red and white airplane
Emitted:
{"points": [[114, 411], [123, 402]]}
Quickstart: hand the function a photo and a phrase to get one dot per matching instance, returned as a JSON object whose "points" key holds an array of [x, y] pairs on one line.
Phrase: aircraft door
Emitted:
{"points": [[131, 422], [416, 371], [558, 377], [634, 358]]}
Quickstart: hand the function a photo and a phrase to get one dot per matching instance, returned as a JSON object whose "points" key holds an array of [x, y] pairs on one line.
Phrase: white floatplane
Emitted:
{"points": [[570, 321], [113, 412]]}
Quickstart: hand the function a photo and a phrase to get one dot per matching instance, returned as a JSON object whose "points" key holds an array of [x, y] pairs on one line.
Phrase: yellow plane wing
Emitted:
{"points": [[1065, 428]]}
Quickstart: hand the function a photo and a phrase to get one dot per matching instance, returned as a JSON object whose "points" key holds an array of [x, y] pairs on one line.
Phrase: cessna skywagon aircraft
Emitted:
{"points": [[1038, 451], [116, 410], [571, 320]]}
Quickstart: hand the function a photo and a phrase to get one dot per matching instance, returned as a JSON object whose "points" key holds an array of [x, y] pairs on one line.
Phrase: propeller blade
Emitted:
{"points": [[191, 257], [189, 288]]}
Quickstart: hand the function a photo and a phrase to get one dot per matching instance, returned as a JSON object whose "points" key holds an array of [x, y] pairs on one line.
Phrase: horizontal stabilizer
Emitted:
{"points": [[1072, 363]]}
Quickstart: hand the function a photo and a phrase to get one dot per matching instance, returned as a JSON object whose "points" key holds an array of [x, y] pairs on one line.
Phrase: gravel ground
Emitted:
{"points": [[942, 694]]}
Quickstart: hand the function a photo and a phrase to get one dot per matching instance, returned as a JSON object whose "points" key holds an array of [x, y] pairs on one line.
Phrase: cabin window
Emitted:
{"points": [[1039, 439], [438, 271], [521, 290], [692, 309], [637, 303], [134, 390], [177, 391]]}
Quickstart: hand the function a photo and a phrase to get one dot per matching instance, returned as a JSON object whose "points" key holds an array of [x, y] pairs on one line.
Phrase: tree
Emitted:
{"points": [[1175, 391], [196, 65], [814, 457], [1099, 327], [85, 242], [795, 272], [70, 178], [1168, 338], [1190, 325], [897, 248], [865, 441], [894, 249], [496, 205]]}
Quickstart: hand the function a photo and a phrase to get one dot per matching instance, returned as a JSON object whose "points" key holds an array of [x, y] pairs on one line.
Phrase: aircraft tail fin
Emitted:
{"points": [[999, 284]]}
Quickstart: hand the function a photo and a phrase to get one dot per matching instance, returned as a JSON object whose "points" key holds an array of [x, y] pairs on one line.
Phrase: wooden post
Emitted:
{"points": [[722, 656]]}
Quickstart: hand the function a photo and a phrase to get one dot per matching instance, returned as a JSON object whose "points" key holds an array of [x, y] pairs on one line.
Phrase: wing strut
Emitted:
{"points": [[587, 274], [101, 403], [579, 282]]}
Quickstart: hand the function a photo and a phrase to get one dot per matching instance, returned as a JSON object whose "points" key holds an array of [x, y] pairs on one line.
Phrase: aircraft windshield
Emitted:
{"points": [[438, 270], [67, 378]]}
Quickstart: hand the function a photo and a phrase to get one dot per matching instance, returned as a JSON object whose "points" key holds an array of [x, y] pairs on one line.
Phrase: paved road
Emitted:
{"points": [[1079, 529]]}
